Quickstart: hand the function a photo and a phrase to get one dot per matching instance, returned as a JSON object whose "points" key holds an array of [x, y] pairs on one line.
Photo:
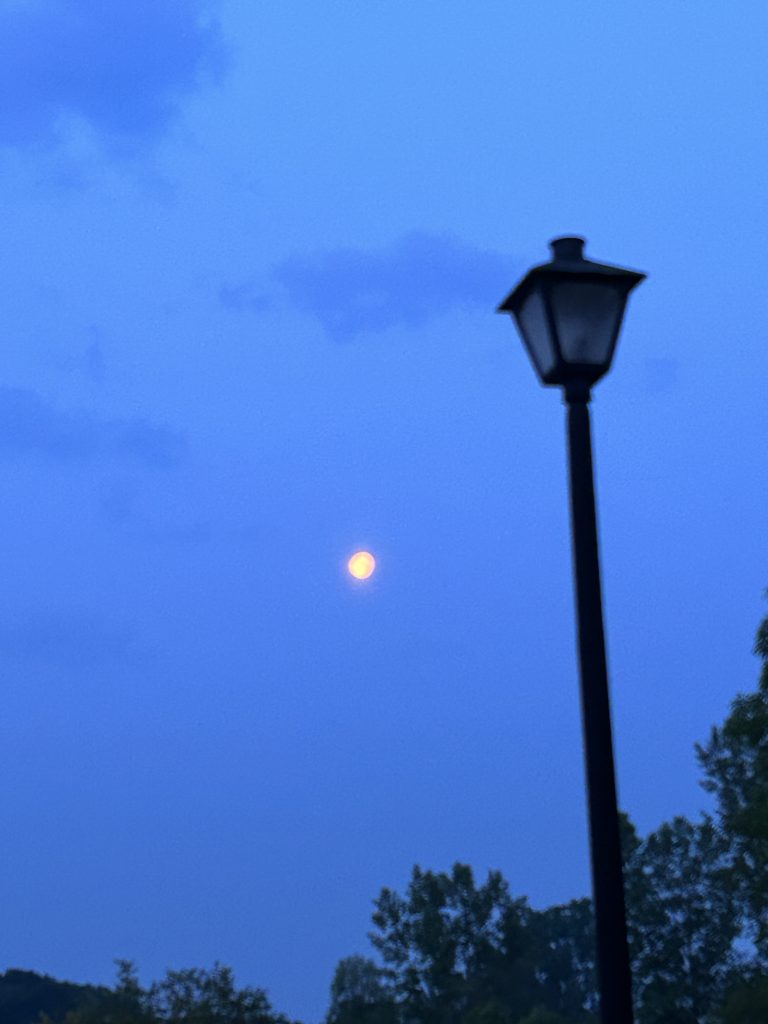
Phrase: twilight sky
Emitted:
{"points": [[251, 254]]}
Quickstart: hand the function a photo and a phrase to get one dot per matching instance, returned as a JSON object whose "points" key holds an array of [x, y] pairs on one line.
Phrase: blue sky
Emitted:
{"points": [[250, 260]]}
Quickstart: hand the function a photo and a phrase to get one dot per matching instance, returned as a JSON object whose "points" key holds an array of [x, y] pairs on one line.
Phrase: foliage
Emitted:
{"points": [[195, 996], [191, 996], [682, 921], [121, 1005], [457, 952], [747, 1003], [25, 995], [565, 959], [735, 763], [454, 952], [360, 994], [541, 1016]]}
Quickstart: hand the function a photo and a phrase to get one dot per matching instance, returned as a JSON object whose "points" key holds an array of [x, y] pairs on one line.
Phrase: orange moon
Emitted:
{"points": [[361, 565]]}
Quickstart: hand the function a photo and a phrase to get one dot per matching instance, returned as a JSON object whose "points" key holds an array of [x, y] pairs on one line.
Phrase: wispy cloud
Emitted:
{"points": [[246, 295], [31, 426], [67, 638], [119, 508], [418, 277], [120, 66]]}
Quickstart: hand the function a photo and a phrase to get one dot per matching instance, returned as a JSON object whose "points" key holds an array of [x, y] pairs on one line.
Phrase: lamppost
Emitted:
{"points": [[569, 313]]}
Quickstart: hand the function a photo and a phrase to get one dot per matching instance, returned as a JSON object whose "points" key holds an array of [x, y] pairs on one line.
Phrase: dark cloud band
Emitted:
{"points": [[419, 277], [120, 66], [30, 426]]}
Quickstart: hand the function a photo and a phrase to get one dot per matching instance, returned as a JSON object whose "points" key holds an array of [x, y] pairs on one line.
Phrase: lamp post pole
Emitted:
{"points": [[569, 314], [605, 841]]}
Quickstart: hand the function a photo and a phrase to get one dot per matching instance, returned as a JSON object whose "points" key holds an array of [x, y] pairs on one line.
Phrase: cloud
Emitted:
{"points": [[247, 295], [30, 426], [74, 639], [419, 277], [119, 509], [120, 66]]}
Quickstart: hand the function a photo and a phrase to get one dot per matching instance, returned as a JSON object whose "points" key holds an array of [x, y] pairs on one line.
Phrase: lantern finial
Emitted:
{"points": [[570, 248]]}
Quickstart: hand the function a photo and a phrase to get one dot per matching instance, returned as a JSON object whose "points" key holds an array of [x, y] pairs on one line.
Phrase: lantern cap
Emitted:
{"points": [[567, 248], [568, 258]]}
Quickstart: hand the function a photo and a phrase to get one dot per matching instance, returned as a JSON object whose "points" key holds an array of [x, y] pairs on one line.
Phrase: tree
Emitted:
{"points": [[746, 1003], [539, 1015], [458, 953], [735, 763], [682, 921], [565, 959], [195, 996], [125, 1004], [360, 994], [25, 996], [191, 996]]}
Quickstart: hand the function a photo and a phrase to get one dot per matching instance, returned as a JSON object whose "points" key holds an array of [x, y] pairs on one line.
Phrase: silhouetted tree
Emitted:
{"points": [[360, 994], [26, 995], [125, 1004], [457, 953], [540, 1015], [747, 1003], [565, 959], [682, 922], [735, 763], [192, 996]]}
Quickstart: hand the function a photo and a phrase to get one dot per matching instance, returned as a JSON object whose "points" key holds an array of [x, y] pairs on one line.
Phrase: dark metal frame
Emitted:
{"points": [[613, 963], [568, 263], [604, 832]]}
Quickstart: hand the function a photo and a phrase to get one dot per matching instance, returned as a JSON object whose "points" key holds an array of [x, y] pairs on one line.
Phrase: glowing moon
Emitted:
{"points": [[361, 565]]}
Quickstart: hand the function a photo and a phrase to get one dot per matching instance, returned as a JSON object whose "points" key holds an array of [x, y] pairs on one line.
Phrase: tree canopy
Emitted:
{"points": [[735, 763], [190, 996], [452, 950], [455, 952]]}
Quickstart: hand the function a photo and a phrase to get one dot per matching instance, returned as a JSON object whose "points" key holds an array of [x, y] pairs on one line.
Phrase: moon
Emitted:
{"points": [[361, 565]]}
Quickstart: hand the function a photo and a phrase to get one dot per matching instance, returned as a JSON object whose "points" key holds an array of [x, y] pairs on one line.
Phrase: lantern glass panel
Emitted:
{"points": [[534, 326], [586, 315]]}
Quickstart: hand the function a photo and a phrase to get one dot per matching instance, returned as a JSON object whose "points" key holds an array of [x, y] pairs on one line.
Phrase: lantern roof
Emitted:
{"points": [[568, 258]]}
